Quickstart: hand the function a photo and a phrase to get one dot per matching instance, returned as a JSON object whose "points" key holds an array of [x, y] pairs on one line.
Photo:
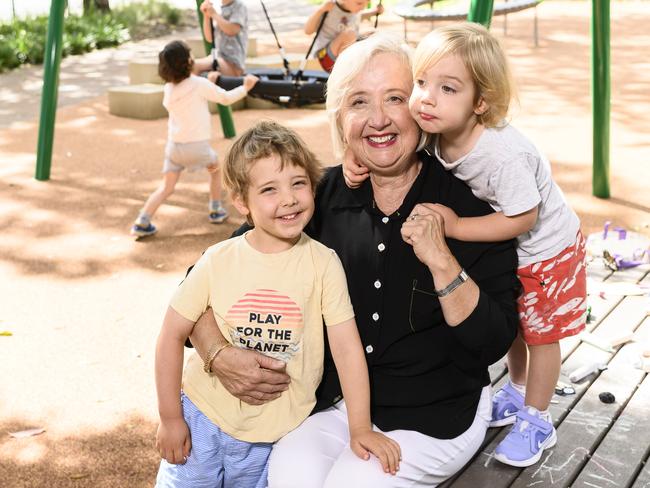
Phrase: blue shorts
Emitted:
{"points": [[216, 460]]}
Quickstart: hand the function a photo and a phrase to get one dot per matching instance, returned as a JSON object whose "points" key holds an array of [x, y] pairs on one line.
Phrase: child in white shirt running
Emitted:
{"points": [[186, 98]]}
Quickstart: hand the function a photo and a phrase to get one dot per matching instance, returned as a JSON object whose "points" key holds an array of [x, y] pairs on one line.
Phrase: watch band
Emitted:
{"points": [[459, 280]]}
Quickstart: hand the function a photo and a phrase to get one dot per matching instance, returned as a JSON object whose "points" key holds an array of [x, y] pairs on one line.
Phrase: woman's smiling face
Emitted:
{"points": [[375, 117]]}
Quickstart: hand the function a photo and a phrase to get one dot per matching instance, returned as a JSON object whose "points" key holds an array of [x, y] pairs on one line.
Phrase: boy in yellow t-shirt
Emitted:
{"points": [[270, 290]]}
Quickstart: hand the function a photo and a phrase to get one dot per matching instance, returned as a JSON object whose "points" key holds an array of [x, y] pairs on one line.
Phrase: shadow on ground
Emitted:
{"points": [[85, 299], [122, 457]]}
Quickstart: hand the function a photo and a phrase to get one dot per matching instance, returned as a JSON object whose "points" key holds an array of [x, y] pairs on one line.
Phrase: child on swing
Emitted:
{"points": [[229, 26], [340, 27], [461, 97], [186, 99]]}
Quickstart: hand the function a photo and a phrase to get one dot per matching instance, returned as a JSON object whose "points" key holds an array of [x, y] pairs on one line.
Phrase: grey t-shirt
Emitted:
{"points": [[337, 21], [507, 171], [233, 48]]}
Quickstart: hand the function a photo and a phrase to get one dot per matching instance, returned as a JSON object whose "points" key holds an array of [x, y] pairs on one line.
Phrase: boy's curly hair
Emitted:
{"points": [[263, 140], [175, 62]]}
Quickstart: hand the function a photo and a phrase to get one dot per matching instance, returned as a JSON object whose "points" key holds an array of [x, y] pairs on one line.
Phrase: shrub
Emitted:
{"points": [[23, 40], [8, 58]]}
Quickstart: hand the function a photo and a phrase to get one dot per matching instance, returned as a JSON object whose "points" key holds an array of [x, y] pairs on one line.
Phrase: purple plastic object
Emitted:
{"points": [[616, 261], [622, 233]]}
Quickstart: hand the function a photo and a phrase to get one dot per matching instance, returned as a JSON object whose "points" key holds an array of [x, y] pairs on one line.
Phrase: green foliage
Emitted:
{"points": [[143, 17], [146, 12], [23, 40]]}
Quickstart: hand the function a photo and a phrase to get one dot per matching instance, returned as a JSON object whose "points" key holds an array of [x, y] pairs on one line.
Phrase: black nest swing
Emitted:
{"points": [[288, 87], [292, 88]]}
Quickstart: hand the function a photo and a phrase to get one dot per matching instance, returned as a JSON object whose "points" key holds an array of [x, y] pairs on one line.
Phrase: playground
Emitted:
{"points": [[82, 301]]}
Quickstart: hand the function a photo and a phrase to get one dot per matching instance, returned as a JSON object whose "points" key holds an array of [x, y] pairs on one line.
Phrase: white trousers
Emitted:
{"points": [[317, 454]]}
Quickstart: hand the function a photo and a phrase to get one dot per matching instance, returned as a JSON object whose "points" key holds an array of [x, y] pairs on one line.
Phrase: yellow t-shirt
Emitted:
{"points": [[272, 303]]}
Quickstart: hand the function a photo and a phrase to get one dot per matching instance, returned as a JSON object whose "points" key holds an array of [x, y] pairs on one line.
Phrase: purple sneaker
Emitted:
{"points": [[525, 443], [505, 405]]}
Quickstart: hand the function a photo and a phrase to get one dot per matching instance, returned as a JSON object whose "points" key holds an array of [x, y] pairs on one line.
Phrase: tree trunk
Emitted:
{"points": [[100, 5]]}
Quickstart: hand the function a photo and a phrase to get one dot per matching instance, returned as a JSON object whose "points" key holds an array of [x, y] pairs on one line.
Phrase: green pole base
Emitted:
{"points": [[51, 65]]}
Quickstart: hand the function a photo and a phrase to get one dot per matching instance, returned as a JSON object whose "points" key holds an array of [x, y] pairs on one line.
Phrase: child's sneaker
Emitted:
{"points": [[505, 405], [525, 443], [143, 230], [218, 215]]}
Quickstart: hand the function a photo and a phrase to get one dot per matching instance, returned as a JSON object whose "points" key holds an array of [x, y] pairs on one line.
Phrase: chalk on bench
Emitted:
{"points": [[583, 371]]}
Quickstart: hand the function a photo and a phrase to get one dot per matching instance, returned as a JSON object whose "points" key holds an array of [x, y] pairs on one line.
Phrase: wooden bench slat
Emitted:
{"points": [[586, 425], [484, 470], [626, 444], [643, 480]]}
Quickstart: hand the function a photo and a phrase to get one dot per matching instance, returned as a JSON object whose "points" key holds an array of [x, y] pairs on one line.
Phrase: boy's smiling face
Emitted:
{"points": [[280, 203]]}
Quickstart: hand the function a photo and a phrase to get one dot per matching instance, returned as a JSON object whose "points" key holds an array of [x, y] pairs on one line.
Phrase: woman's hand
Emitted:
{"points": [[247, 375], [173, 440], [353, 172], [424, 229], [250, 376], [384, 448]]}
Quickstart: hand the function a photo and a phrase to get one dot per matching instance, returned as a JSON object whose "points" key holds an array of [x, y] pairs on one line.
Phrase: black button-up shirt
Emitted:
{"points": [[424, 375]]}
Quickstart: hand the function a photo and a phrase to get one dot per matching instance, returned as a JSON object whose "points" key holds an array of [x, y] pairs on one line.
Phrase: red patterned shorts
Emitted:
{"points": [[553, 303]]}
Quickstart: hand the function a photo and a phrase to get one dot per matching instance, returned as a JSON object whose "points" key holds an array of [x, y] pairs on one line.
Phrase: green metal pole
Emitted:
{"points": [[480, 11], [50, 89], [600, 92], [225, 113]]}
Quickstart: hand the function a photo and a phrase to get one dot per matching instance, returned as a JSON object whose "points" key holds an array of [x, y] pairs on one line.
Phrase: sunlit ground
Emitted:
{"points": [[84, 301]]}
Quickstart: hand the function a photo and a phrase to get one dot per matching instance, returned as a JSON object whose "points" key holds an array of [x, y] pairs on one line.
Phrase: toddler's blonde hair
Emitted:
{"points": [[483, 57]]}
